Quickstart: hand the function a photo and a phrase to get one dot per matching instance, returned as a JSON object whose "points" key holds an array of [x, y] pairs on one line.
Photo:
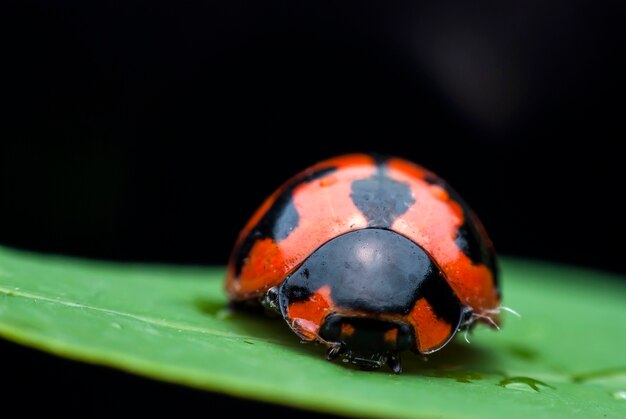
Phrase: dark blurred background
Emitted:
{"points": [[117, 114]]}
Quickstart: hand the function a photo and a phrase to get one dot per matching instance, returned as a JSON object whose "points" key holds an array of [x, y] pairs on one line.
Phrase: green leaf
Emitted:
{"points": [[566, 357]]}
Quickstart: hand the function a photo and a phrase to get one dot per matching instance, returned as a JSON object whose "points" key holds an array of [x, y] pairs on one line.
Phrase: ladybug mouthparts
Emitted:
{"points": [[366, 342], [365, 360]]}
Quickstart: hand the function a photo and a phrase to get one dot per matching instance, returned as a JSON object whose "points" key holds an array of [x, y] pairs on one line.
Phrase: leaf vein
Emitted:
{"points": [[146, 319]]}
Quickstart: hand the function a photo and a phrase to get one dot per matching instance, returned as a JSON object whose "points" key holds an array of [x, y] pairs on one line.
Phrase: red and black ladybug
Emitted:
{"points": [[370, 256]]}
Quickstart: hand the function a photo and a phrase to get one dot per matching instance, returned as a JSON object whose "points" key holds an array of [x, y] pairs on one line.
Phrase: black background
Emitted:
{"points": [[117, 113]]}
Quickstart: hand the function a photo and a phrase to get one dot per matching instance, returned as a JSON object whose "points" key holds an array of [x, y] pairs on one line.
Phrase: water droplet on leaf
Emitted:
{"points": [[620, 395], [523, 383]]}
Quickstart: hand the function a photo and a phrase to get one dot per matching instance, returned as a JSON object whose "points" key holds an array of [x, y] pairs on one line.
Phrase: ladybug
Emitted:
{"points": [[369, 256]]}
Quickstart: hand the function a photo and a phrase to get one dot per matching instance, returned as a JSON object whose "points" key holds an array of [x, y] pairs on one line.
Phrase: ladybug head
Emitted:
{"points": [[370, 294], [368, 343]]}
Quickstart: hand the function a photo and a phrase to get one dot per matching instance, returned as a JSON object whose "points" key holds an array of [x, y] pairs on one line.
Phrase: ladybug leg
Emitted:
{"points": [[269, 300], [468, 321], [492, 316], [504, 308], [487, 318], [334, 350], [393, 360], [467, 318]]}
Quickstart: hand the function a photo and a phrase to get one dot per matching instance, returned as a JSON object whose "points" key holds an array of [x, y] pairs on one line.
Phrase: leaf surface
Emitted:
{"points": [[566, 356]]}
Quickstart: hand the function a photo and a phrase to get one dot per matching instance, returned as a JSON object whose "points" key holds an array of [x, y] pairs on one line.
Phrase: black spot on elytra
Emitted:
{"points": [[379, 159], [469, 237], [435, 180], [443, 300], [280, 219], [381, 199], [469, 240], [286, 216]]}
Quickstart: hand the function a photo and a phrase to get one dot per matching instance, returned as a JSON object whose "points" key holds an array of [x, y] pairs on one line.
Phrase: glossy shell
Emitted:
{"points": [[354, 192], [370, 256]]}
